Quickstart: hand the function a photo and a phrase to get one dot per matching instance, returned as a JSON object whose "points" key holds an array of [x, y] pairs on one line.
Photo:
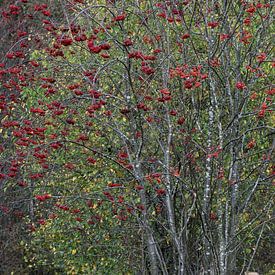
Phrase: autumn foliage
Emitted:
{"points": [[138, 132]]}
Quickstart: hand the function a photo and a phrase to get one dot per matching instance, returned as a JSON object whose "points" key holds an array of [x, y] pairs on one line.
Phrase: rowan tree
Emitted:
{"points": [[147, 126]]}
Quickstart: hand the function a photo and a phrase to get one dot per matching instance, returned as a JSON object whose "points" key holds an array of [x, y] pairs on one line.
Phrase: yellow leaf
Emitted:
{"points": [[73, 251]]}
